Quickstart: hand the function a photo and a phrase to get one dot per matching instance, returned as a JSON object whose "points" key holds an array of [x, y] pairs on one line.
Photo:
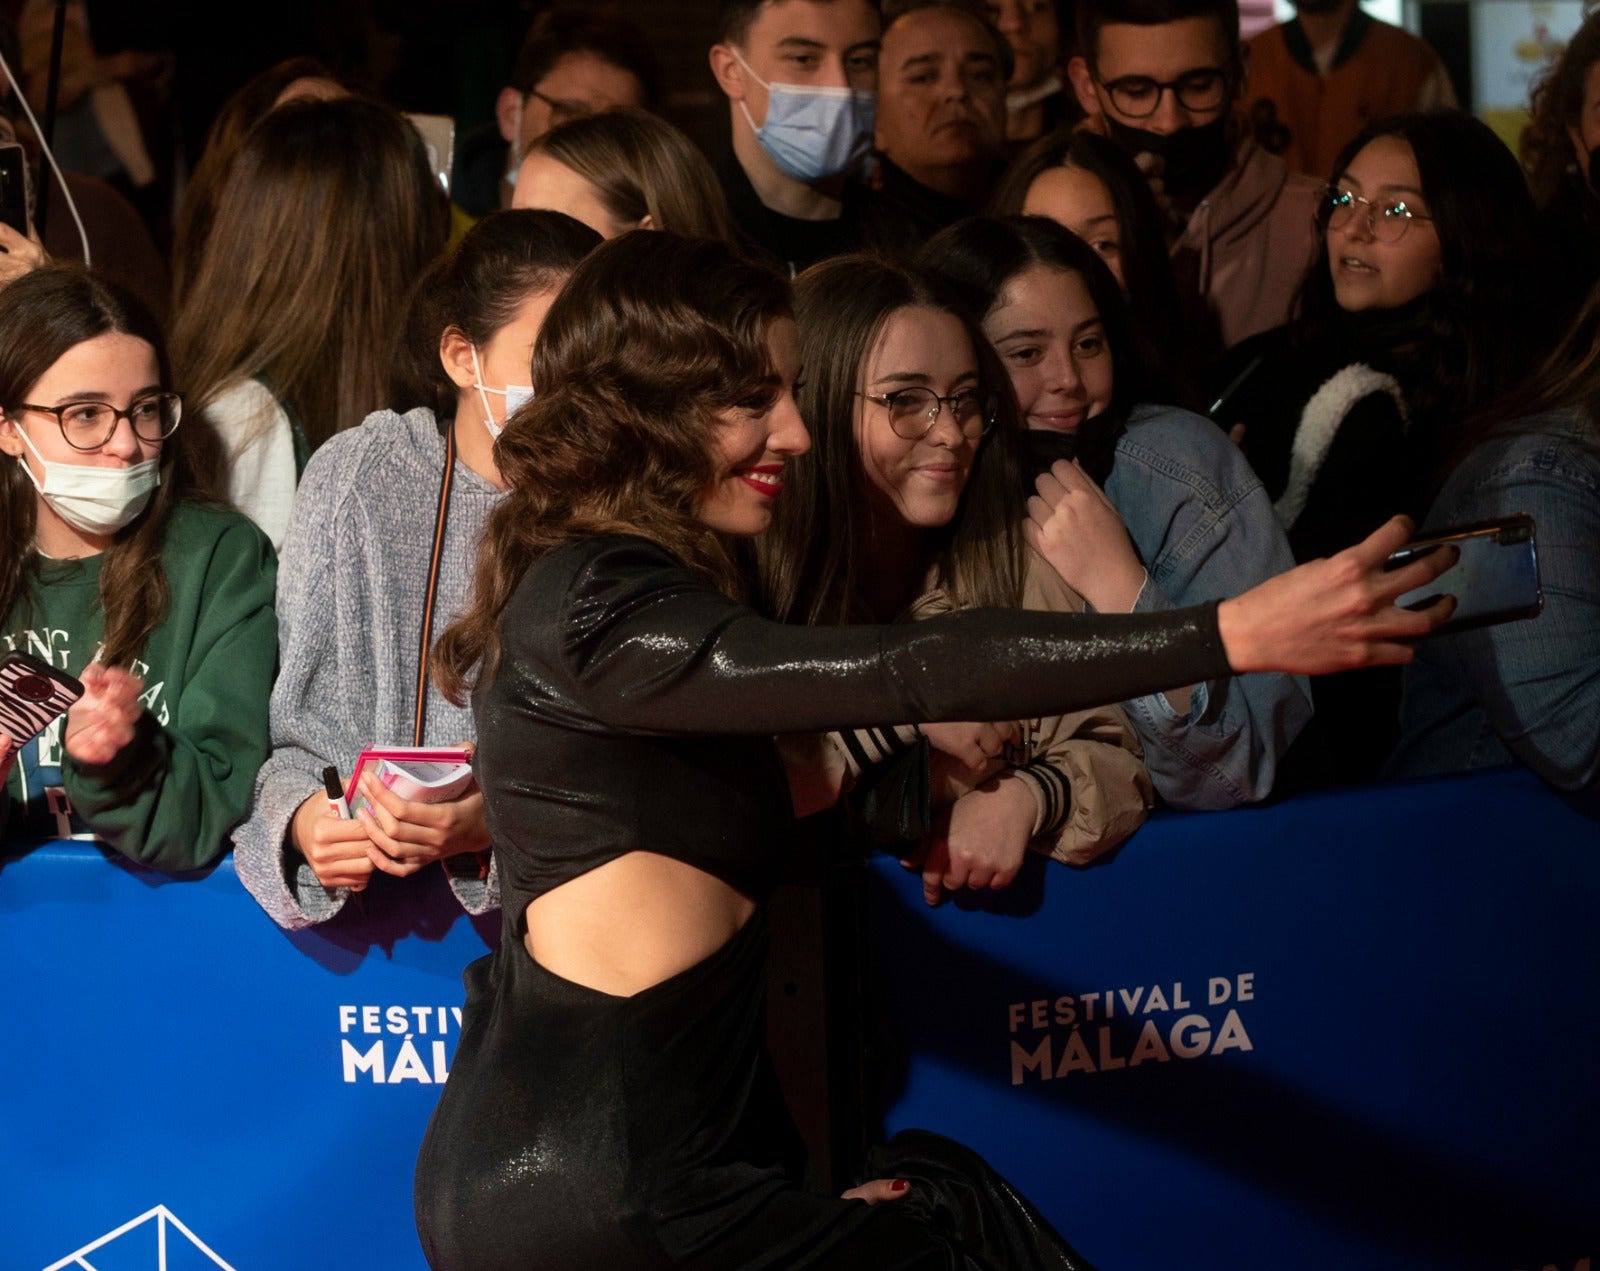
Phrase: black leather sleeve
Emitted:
{"points": [[648, 647]]}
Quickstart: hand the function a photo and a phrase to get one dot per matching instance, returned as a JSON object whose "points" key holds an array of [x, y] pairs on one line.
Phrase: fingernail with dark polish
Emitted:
{"points": [[899, 1185]]}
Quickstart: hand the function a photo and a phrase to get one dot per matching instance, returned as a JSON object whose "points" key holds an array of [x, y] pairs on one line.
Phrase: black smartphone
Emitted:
{"points": [[14, 187], [32, 693], [1496, 579]]}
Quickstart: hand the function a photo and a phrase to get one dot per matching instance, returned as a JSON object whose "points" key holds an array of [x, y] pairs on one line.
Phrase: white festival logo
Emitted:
{"points": [[165, 1222]]}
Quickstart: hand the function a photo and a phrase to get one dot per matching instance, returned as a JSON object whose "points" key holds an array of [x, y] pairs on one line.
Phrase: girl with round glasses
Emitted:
{"points": [[909, 505], [1425, 305], [110, 571]]}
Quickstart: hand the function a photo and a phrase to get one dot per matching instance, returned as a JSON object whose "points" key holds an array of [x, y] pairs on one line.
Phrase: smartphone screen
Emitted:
{"points": [[1496, 579], [13, 187]]}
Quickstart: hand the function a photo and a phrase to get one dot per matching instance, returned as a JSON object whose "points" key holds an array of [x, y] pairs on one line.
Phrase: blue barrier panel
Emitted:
{"points": [[1398, 1069], [1355, 1030], [171, 1052]]}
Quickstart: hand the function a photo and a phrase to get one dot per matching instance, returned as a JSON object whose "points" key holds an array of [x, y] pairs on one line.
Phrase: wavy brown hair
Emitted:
{"points": [[653, 337], [327, 218], [42, 316], [812, 560], [1555, 105]]}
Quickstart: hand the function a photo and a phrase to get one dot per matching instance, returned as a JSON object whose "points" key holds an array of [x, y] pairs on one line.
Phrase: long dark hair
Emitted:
{"points": [[42, 316], [1568, 378], [982, 255], [1485, 323], [327, 218], [651, 338], [478, 288], [811, 561], [1148, 282]]}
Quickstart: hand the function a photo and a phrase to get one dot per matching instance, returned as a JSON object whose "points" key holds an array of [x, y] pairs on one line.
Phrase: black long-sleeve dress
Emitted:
{"points": [[633, 710]]}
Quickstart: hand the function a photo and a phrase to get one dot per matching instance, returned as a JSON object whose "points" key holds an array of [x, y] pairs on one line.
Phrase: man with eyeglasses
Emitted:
{"points": [[573, 62], [1162, 79]]}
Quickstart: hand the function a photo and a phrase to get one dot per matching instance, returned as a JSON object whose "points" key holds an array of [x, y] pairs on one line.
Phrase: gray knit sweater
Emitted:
{"points": [[351, 586]]}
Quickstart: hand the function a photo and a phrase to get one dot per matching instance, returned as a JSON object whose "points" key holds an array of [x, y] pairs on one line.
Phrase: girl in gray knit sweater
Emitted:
{"points": [[353, 583]]}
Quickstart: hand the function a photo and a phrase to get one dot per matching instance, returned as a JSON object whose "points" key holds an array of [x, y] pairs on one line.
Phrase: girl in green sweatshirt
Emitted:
{"points": [[112, 572]]}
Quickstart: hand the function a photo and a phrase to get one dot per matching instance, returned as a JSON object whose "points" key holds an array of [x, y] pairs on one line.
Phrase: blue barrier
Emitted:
{"points": [[170, 1048], [1354, 1030], [1407, 1078]]}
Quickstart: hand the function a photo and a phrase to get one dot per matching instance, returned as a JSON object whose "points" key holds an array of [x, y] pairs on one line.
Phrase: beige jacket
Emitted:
{"points": [[1089, 761]]}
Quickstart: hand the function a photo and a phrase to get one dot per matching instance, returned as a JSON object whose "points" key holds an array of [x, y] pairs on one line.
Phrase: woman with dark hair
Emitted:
{"points": [[906, 508], [1089, 185], [610, 1102], [1181, 520], [378, 553], [1559, 148], [1425, 304], [286, 333], [112, 572], [1523, 691], [624, 169]]}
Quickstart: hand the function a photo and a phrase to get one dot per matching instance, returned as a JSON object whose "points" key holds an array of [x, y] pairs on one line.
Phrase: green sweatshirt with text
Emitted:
{"points": [[170, 797]]}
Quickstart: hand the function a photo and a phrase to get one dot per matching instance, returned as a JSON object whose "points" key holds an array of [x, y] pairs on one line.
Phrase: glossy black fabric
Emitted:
{"points": [[633, 710]]}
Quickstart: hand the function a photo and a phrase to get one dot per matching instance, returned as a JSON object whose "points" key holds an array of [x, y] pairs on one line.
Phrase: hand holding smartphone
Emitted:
{"points": [[32, 693], [1496, 579]]}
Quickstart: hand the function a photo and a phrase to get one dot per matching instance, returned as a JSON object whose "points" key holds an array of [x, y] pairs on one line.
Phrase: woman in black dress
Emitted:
{"points": [[611, 1103]]}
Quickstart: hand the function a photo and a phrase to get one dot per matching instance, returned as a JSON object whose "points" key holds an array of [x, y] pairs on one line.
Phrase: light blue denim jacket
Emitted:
{"points": [[1204, 528], [1526, 690]]}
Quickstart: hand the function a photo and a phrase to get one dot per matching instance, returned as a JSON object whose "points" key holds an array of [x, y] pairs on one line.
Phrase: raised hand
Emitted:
{"points": [[1074, 526], [101, 722]]}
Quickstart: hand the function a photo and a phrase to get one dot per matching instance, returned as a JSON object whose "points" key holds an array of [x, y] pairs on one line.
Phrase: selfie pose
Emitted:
{"points": [[109, 571], [611, 1102]]}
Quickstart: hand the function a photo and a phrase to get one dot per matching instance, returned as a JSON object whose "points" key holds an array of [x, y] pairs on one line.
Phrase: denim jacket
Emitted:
{"points": [[1204, 528], [1525, 690]]}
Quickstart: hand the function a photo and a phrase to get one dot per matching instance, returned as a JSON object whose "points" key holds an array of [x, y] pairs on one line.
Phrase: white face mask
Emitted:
{"points": [[516, 395], [90, 498], [813, 132]]}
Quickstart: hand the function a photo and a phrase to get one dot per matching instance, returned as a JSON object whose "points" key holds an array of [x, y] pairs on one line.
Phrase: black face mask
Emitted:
{"points": [[1193, 159], [1093, 445]]}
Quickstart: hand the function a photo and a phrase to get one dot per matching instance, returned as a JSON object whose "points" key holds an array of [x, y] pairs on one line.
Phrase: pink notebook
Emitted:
{"points": [[424, 774]]}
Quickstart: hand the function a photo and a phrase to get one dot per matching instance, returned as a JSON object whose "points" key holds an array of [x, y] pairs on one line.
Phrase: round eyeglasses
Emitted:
{"points": [[1387, 219], [1137, 96], [89, 425], [914, 411]]}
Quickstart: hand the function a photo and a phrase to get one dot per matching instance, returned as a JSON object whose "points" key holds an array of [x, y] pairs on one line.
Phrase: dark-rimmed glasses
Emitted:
{"points": [[914, 411], [89, 425], [1138, 96], [1387, 219]]}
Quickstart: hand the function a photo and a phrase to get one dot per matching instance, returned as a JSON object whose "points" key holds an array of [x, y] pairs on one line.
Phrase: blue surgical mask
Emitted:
{"points": [[516, 395], [813, 133]]}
